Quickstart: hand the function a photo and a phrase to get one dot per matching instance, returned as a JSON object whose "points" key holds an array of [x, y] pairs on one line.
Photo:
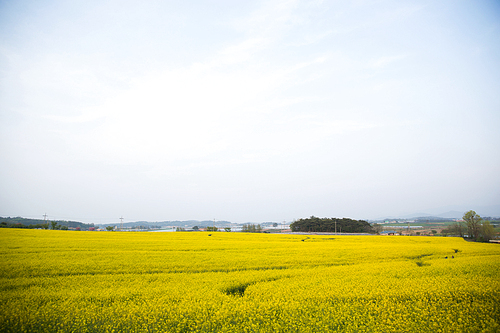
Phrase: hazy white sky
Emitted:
{"points": [[248, 110]]}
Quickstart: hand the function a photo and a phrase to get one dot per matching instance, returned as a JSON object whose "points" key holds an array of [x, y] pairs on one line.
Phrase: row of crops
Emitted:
{"points": [[56, 281]]}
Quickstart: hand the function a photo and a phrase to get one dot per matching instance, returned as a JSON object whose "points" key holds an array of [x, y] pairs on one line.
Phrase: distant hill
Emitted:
{"points": [[12, 221], [164, 224], [453, 214], [458, 211], [450, 212], [416, 218], [432, 219]]}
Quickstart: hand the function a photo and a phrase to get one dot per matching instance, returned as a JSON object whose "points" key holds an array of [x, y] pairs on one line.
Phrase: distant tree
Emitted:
{"points": [[53, 225], [473, 222], [110, 228], [212, 229], [378, 228], [227, 229], [487, 231], [275, 225], [460, 229], [180, 229], [196, 228], [64, 227], [434, 232], [456, 229]]}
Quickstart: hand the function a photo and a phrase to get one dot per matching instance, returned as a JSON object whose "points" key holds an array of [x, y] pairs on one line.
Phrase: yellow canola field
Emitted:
{"points": [[63, 281]]}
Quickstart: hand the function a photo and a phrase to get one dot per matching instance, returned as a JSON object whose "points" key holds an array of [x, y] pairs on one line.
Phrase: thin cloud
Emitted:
{"points": [[383, 62]]}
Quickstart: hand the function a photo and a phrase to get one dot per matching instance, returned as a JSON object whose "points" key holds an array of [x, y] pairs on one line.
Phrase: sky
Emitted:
{"points": [[248, 111]]}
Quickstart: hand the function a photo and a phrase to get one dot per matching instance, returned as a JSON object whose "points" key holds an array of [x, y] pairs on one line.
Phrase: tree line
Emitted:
{"points": [[249, 227], [21, 222], [316, 224]]}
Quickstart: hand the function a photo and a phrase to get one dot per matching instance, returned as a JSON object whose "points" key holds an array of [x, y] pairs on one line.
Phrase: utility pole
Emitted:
{"points": [[121, 223], [45, 219], [335, 228], [214, 226]]}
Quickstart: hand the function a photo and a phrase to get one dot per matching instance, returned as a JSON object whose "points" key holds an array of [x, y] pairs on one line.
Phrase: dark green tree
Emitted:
{"points": [[346, 225]]}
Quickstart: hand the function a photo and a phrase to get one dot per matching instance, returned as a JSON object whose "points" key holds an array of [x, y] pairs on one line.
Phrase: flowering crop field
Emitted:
{"points": [[63, 281]]}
